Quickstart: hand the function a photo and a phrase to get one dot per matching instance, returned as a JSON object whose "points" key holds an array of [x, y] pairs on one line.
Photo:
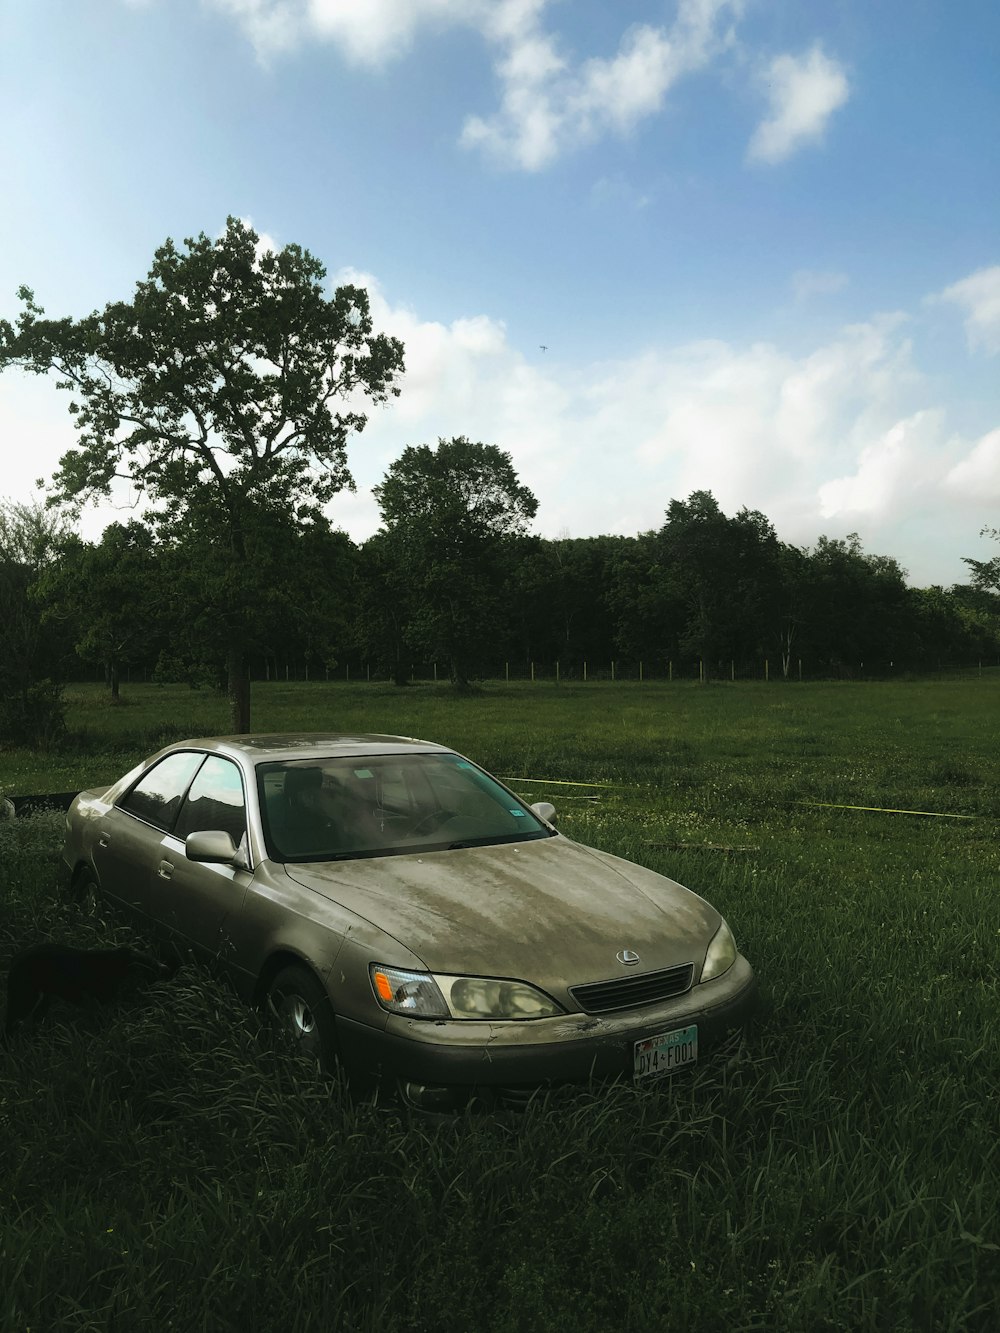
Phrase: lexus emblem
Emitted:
{"points": [[627, 956]]}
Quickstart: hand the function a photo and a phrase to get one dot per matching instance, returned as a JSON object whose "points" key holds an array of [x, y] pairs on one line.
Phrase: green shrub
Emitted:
{"points": [[34, 716]]}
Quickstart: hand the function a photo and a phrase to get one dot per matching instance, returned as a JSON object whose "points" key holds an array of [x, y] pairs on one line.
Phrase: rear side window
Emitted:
{"points": [[157, 796], [215, 801]]}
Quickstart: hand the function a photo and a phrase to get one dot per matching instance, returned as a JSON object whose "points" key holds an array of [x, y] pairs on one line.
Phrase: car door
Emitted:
{"points": [[127, 847], [195, 899]]}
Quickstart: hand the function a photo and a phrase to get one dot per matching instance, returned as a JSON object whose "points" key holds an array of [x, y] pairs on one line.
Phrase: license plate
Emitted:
{"points": [[667, 1051]]}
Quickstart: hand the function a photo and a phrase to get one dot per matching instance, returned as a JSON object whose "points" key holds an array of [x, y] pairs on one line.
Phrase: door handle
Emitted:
{"points": [[104, 839], [165, 869]]}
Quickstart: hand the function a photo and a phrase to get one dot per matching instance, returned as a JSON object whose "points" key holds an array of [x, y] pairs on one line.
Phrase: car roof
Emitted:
{"points": [[309, 744]]}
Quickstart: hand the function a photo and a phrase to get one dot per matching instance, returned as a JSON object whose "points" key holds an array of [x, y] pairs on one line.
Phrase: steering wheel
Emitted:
{"points": [[430, 821]]}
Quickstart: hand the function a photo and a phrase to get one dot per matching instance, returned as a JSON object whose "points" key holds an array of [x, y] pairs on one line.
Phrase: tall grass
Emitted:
{"points": [[167, 1167]]}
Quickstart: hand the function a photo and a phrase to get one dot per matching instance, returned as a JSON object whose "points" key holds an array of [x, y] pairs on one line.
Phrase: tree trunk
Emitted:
{"points": [[115, 678], [399, 676], [238, 689]]}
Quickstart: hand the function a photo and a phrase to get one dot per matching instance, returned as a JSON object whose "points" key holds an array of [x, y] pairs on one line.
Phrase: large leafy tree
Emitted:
{"points": [[855, 607], [723, 571], [986, 573], [452, 514], [225, 390]]}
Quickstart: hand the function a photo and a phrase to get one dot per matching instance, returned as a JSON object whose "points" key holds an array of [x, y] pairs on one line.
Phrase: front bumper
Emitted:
{"points": [[572, 1048]]}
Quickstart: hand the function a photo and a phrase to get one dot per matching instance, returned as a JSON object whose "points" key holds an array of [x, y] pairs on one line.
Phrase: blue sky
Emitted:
{"points": [[760, 240]]}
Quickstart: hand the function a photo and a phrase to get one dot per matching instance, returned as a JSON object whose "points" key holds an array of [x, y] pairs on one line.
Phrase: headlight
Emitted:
{"points": [[430, 995], [483, 997], [413, 993], [721, 954]]}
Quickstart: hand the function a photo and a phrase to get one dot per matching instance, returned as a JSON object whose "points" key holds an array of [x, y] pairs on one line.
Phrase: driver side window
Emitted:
{"points": [[215, 801], [157, 795]]}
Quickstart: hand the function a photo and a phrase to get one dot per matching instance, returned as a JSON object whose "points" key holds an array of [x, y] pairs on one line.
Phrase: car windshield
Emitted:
{"points": [[384, 805]]}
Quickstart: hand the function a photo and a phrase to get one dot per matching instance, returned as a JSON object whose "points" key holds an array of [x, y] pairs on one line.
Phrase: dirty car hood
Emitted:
{"points": [[549, 911]]}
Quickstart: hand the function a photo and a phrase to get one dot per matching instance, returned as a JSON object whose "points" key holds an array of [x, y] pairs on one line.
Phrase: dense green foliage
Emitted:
{"points": [[33, 652], [840, 1170], [226, 391], [441, 590], [451, 517]]}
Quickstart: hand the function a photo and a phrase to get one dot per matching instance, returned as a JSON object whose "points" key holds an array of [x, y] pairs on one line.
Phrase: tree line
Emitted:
{"points": [[226, 391], [454, 579]]}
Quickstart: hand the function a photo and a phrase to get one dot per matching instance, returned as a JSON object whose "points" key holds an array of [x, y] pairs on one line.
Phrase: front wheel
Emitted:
{"points": [[84, 889], [300, 1012]]}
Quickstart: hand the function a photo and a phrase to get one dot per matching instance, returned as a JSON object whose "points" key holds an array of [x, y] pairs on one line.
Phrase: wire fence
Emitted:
{"points": [[617, 671], [632, 672]]}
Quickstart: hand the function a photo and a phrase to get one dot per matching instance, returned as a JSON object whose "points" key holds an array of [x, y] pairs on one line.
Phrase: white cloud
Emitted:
{"points": [[549, 102], [761, 427], [814, 282], [899, 461], [273, 26], [36, 429], [840, 438], [372, 32], [977, 476], [978, 296], [368, 32], [549, 105], [803, 91]]}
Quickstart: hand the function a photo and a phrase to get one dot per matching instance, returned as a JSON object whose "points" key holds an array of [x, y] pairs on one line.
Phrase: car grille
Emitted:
{"points": [[600, 997]]}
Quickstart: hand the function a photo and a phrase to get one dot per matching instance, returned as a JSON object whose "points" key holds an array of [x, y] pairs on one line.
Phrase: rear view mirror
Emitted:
{"points": [[545, 810], [211, 845]]}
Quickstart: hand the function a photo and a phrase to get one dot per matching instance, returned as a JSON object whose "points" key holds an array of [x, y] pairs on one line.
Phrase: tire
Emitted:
{"points": [[299, 1011], [84, 889]]}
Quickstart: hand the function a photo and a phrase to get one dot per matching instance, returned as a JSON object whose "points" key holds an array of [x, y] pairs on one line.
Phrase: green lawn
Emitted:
{"points": [[838, 1170]]}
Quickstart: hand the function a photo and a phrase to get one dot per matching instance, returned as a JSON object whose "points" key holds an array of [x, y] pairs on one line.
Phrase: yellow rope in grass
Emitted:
{"points": [[826, 805], [884, 810], [561, 782]]}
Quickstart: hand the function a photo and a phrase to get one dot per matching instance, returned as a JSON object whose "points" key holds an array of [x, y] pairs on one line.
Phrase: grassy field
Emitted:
{"points": [[839, 1169]]}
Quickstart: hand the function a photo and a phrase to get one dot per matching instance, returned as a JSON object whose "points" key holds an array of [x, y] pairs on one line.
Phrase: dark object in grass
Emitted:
{"points": [[81, 976], [29, 805]]}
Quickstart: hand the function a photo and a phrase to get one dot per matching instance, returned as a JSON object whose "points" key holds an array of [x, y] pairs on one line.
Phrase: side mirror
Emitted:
{"points": [[212, 845], [545, 810]]}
